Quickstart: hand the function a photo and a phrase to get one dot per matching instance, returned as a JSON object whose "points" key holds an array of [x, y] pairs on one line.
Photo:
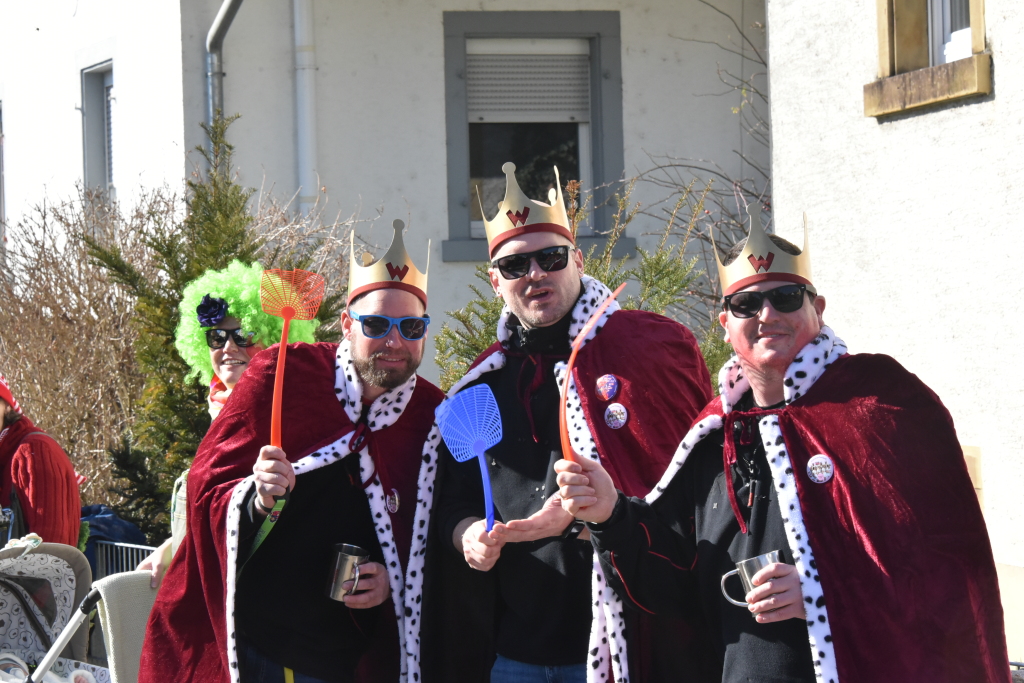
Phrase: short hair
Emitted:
{"points": [[11, 417], [239, 286], [784, 245]]}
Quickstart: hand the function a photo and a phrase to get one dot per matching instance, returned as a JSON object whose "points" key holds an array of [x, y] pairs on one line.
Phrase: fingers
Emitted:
{"points": [[567, 466], [374, 587], [482, 548], [274, 475], [778, 595]]}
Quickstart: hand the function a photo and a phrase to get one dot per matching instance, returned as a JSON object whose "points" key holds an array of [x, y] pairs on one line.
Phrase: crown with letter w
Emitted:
{"points": [[393, 270], [761, 259], [518, 214]]}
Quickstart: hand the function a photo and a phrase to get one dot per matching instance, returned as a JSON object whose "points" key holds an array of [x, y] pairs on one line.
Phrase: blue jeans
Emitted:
{"points": [[510, 671], [255, 668]]}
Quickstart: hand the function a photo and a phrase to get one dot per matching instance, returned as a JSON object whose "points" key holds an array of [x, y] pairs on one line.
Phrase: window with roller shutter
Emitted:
{"points": [[540, 89]]}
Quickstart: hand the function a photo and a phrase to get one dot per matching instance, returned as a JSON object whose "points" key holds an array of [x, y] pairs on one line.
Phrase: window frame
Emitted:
{"points": [[602, 29], [96, 127], [906, 78]]}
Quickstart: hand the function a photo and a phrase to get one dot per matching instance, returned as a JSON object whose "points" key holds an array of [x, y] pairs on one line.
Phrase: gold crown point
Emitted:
{"points": [[398, 225], [508, 168]]}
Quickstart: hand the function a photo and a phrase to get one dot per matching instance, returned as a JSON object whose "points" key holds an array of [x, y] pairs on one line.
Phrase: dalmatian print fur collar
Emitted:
{"points": [[801, 375], [594, 294], [607, 634], [405, 591]]}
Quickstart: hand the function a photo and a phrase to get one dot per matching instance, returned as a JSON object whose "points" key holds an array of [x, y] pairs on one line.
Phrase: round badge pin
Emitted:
{"points": [[607, 387], [392, 500], [615, 415], [820, 468]]}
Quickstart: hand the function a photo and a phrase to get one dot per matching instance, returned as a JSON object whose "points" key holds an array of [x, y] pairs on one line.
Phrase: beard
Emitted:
{"points": [[385, 378]]}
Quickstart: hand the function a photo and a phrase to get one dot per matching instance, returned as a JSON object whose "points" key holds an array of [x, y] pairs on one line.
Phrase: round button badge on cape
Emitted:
{"points": [[607, 387], [392, 500], [615, 415], [820, 468]]}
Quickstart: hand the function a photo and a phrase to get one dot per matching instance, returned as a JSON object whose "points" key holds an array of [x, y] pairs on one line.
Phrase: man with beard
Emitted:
{"points": [[847, 466], [352, 470], [543, 608]]}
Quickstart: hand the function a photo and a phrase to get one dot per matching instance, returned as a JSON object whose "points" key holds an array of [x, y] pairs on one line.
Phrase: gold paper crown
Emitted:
{"points": [[761, 259], [394, 270], [518, 214]]}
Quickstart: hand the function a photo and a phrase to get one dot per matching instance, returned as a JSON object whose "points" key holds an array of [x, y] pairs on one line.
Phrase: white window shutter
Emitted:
{"points": [[528, 88]]}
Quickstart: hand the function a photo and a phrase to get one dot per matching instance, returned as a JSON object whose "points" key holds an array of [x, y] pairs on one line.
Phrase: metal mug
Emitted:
{"points": [[746, 570], [345, 567]]}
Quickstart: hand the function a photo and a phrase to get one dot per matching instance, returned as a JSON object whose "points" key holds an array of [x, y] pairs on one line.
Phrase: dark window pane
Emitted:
{"points": [[959, 14], [535, 149]]}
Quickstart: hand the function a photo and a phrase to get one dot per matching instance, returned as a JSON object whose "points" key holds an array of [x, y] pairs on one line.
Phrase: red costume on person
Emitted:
{"points": [[191, 633]]}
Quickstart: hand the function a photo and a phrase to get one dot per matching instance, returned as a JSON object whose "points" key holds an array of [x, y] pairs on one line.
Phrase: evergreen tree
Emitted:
{"points": [[172, 416]]}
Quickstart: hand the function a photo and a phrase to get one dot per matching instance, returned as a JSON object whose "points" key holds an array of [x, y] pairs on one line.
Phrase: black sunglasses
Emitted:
{"points": [[515, 266], [785, 299], [216, 339], [376, 326]]}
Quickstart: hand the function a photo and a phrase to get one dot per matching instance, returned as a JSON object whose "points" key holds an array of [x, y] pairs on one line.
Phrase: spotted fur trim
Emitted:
{"points": [[594, 294], [801, 375], [384, 412]]}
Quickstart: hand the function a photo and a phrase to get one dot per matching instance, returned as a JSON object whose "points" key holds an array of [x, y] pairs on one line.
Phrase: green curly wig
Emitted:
{"points": [[239, 286]]}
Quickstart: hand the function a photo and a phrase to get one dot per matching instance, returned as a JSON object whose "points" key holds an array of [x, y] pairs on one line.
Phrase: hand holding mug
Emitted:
{"points": [[772, 588]]}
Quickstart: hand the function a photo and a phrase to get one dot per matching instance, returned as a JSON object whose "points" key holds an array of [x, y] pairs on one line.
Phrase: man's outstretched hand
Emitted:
{"points": [[586, 490], [550, 520]]}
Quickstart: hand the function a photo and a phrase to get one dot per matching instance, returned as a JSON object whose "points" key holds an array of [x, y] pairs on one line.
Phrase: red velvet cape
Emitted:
{"points": [[898, 536], [186, 639]]}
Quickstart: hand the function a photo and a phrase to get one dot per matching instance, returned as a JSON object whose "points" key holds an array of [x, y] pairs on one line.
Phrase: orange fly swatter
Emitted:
{"points": [[292, 295], [567, 452]]}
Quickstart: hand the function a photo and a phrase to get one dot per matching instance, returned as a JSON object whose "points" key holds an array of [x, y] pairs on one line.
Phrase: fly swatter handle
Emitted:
{"points": [[488, 499], [275, 410]]}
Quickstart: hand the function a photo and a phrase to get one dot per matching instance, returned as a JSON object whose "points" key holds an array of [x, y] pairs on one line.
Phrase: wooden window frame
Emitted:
{"points": [[906, 80]]}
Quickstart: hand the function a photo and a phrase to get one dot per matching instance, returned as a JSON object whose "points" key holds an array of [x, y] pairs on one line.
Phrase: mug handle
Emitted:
{"points": [[726, 594], [355, 581]]}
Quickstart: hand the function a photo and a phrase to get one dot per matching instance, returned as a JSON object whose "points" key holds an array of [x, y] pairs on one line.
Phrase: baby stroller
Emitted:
{"points": [[46, 595]]}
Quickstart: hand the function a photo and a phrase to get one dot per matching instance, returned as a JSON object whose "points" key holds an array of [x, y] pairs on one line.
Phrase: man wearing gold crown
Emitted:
{"points": [[353, 469], [848, 466], [638, 380]]}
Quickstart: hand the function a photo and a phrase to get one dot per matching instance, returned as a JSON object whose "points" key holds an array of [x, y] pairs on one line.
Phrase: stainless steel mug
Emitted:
{"points": [[345, 567], [746, 570]]}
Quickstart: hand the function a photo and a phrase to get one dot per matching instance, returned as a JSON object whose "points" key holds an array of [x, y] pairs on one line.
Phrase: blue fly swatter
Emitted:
{"points": [[470, 424]]}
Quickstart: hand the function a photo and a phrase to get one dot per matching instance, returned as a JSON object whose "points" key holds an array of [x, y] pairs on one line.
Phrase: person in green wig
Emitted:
{"points": [[222, 327]]}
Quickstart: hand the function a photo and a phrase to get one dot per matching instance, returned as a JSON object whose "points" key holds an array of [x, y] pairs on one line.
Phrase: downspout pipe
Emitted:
{"points": [[214, 62], [305, 105]]}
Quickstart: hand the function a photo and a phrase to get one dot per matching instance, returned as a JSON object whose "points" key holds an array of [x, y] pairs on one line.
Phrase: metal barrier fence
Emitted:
{"points": [[114, 558]]}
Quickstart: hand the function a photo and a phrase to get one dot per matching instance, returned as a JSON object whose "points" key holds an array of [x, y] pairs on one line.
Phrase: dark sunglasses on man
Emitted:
{"points": [[216, 339], [784, 299], [377, 326], [515, 266]]}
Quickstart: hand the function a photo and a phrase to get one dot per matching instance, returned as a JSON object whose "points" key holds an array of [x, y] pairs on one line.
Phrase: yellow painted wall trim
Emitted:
{"points": [[933, 85]]}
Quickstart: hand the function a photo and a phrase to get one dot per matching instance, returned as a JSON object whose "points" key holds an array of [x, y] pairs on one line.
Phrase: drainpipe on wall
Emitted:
{"points": [[305, 105], [214, 65]]}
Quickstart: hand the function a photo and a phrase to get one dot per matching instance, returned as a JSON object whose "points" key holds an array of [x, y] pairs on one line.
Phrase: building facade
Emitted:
{"points": [[895, 127]]}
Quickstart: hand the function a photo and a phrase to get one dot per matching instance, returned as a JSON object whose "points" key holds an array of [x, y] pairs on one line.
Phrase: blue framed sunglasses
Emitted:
{"points": [[377, 326]]}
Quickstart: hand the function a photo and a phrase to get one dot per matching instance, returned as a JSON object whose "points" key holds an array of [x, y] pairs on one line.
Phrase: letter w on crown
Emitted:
{"points": [[394, 272], [518, 218], [761, 262]]}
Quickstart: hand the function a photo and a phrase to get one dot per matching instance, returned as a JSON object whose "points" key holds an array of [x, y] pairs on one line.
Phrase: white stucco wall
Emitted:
{"points": [[381, 104], [43, 48], [916, 237]]}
